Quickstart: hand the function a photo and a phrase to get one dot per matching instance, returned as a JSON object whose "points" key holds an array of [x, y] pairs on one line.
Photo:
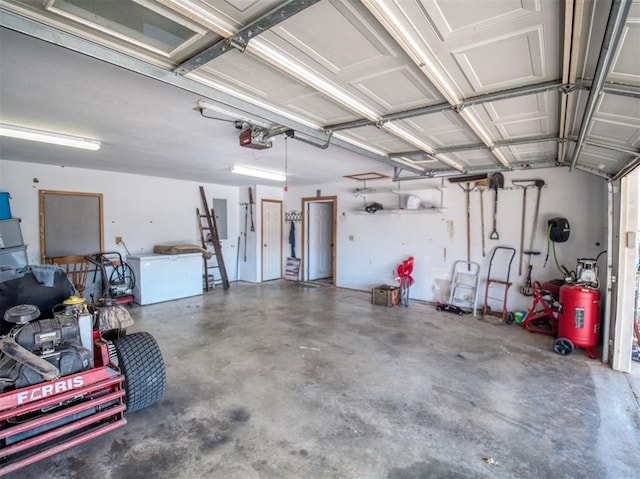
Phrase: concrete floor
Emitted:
{"points": [[283, 381]]}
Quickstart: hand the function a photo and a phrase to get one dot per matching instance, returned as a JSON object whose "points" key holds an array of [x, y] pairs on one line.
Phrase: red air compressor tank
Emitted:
{"points": [[579, 322]]}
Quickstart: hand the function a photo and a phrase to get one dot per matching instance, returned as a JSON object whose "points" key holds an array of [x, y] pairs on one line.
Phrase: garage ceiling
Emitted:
{"points": [[429, 88]]}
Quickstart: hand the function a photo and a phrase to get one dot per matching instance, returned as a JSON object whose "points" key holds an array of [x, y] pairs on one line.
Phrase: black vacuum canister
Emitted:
{"points": [[559, 229]]}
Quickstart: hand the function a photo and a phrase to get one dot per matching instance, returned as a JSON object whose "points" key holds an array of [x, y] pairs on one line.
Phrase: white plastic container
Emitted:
{"points": [[413, 202]]}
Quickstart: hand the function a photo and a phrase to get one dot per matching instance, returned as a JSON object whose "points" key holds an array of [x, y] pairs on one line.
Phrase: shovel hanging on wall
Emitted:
{"points": [[495, 182]]}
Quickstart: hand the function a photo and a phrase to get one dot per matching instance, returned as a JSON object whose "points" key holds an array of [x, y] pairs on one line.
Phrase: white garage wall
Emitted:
{"points": [[144, 210], [251, 269], [148, 210], [436, 240]]}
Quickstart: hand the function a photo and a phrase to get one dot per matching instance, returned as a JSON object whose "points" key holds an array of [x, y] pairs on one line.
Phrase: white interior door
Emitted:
{"points": [[320, 240], [271, 240]]}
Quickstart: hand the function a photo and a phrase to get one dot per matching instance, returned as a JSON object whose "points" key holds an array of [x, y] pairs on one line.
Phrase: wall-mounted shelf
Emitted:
{"points": [[398, 211], [417, 191], [402, 195], [419, 211]]}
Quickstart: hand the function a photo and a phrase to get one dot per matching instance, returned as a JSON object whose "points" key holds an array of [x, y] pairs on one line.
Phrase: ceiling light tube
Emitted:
{"points": [[500, 156], [267, 175], [48, 137], [428, 63], [475, 125], [408, 137], [250, 100], [307, 76]]}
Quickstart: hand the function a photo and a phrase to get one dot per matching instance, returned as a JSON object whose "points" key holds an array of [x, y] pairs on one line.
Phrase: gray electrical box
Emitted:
{"points": [[219, 207]]}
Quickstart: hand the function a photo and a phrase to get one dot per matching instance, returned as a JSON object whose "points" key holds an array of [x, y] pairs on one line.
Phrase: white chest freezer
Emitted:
{"points": [[161, 277]]}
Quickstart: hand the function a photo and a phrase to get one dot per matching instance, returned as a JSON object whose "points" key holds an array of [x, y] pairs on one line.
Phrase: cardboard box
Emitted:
{"points": [[385, 295]]}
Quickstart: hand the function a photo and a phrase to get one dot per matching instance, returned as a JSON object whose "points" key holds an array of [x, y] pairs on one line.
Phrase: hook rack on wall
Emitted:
{"points": [[293, 215]]}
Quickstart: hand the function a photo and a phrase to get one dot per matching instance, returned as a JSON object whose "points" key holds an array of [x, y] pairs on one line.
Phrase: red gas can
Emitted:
{"points": [[579, 321]]}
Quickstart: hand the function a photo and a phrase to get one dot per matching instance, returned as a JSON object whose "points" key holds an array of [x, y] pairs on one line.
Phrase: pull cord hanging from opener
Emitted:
{"points": [[286, 161]]}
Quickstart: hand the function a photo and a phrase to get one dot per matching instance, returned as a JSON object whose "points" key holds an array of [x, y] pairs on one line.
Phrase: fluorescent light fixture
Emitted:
{"points": [[267, 175], [249, 99], [500, 156], [408, 137], [261, 49], [48, 137], [476, 126], [417, 142], [267, 52], [354, 142], [202, 15], [426, 62]]}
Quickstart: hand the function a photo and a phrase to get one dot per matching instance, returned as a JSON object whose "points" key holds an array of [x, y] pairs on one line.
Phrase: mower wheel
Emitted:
{"points": [[563, 346], [140, 360], [509, 318]]}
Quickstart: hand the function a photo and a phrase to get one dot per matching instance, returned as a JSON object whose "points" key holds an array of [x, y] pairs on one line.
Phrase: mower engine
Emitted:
{"points": [[69, 377], [64, 342]]}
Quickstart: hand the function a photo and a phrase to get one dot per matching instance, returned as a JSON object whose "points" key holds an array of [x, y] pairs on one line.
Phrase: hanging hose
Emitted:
{"points": [[546, 258], [551, 245]]}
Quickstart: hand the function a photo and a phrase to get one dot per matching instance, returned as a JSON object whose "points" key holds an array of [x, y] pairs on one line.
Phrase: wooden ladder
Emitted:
{"points": [[212, 228]]}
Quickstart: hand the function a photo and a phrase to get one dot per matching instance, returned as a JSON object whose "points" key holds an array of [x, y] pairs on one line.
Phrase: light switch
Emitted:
{"points": [[631, 239]]}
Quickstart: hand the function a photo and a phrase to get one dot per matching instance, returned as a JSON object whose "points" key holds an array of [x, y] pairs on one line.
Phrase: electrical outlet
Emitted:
{"points": [[118, 239]]}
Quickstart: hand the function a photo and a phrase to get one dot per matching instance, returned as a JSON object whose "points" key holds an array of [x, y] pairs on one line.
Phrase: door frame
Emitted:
{"points": [[262, 202], [320, 199]]}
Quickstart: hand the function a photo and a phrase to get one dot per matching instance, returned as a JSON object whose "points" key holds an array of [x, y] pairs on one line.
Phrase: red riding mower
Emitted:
{"points": [[68, 370]]}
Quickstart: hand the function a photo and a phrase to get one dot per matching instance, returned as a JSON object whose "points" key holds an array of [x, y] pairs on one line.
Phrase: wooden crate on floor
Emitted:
{"points": [[385, 295]]}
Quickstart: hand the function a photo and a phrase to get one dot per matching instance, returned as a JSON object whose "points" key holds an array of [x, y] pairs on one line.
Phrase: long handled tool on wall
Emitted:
{"points": [[246, 218], [524, 184], [468, 180], [495, 182], [251, 208], [481, 185], [527, 289]]}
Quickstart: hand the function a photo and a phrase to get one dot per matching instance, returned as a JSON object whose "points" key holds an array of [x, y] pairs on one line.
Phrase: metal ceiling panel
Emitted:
{"points": [[474, 159], [342, 61], [239, 12], [317, 108], [614, 131], [397, 89], [606, 161], [358, 44], [382, 139], [251, 77], [621, 107], [482, 63], [593, 28], [531, 115], [626, 68], [579, 99], [455, 18], [473, 42], [532, 151], [440, 129], [362, 59]]}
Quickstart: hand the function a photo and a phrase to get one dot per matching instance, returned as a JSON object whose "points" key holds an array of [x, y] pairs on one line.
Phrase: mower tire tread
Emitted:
{"points": [[141, 363]]}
